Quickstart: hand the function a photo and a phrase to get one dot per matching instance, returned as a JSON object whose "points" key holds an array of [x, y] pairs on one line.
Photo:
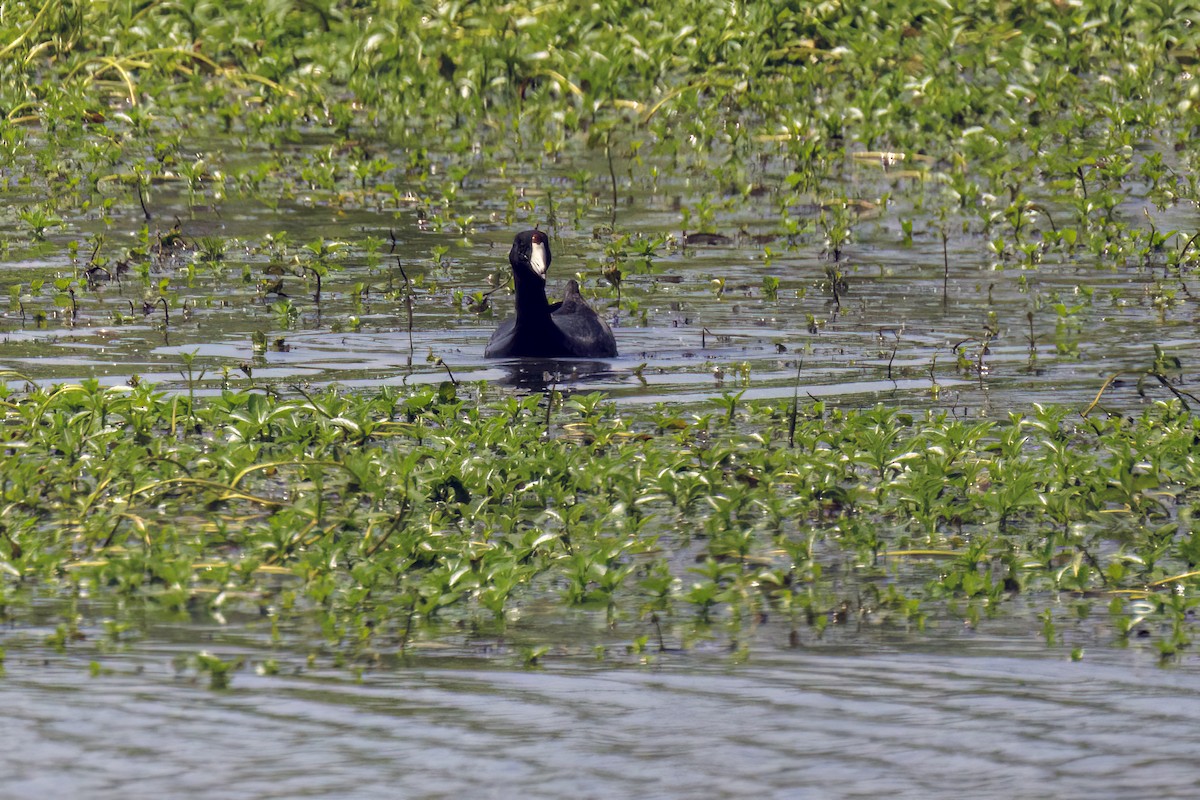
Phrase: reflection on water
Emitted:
{"points": [[540, 374], [796, 724]]}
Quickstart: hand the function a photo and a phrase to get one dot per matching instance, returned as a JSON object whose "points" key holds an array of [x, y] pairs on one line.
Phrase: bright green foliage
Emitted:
{"points": [[960, 83], [378, 519], [1027, 132]]}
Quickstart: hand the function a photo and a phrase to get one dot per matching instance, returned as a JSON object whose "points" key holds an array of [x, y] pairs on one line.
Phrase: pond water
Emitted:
{"points": [[978, 717], [890, 338], [986, 715]]}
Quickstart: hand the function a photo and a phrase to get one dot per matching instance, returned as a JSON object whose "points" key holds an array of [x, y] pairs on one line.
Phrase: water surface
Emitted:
{"points": [[986, 718], [908, 328]]}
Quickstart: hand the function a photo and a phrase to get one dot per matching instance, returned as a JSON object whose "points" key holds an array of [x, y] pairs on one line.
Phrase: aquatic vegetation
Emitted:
{"points": [[256, 177], [390, 521]]}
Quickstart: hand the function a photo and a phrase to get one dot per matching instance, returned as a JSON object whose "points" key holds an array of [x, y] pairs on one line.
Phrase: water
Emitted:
{"points": [[891, 339], [971, 718], [946, 715]]}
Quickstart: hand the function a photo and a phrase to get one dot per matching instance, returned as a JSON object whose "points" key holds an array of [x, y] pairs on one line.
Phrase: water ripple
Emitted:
{"points": [[789, 725]]}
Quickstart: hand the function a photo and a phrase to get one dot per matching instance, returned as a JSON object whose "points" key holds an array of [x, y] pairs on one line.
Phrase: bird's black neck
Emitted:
{"points": [[534, 330], [532, 306]]}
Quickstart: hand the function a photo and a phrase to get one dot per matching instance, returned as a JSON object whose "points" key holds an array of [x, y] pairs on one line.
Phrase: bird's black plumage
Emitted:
{"points": [[570, 329]]}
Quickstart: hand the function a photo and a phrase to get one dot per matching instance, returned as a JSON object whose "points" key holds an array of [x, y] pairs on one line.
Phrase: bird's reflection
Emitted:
{"points": [[540, 374]]}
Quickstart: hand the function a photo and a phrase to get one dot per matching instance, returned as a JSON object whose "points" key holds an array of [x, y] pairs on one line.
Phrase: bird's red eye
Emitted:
{"points": [[538, 237]]}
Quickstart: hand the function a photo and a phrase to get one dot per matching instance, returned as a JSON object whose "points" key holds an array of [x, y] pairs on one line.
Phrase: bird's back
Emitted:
{"points": [[584, 332]]}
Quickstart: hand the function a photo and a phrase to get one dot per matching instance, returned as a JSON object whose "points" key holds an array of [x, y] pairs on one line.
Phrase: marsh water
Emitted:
{"points": [[987, 717], [906, 329], [951, 713]]}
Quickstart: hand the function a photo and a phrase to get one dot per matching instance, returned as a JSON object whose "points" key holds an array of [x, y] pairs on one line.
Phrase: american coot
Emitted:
{"points": [[541, 330]]}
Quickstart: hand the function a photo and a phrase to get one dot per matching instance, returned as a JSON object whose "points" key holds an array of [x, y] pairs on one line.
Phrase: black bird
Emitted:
{"points": [[570, 329]]}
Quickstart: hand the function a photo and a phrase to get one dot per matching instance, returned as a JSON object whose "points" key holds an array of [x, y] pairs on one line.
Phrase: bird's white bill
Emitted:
{"points": [[537, 258]]}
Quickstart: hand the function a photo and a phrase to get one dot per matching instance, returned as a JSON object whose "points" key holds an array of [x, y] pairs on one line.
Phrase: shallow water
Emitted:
{"points": [[960, 718], [891, 340]]}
